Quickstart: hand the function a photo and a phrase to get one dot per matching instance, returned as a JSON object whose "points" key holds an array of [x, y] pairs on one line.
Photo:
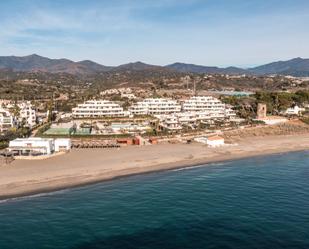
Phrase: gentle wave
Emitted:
{"points": [[198, 166], [33, 196]]}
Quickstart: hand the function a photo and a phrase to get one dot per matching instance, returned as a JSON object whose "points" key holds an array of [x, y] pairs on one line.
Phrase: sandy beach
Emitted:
{"points": [[84, 166]]}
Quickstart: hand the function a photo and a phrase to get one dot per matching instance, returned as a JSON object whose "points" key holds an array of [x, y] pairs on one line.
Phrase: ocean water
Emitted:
{"points": [[260, 202]]}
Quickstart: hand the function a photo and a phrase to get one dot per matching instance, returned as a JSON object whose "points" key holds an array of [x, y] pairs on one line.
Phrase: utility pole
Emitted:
{"points": [[194, 87], [187, 79]]}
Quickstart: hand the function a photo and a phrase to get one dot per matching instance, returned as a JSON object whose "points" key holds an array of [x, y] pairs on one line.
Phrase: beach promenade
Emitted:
{"points": [[84, 166]]}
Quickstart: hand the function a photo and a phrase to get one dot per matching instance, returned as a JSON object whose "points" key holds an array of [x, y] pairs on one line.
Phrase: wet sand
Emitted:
{"points": [[84, 166]]}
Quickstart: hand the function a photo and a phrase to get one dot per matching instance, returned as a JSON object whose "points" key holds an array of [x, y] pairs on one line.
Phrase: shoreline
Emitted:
{"points": [[106, 179], [16, 184]]}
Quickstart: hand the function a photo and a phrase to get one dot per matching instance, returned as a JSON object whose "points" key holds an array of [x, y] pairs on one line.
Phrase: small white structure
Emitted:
{"points": [[202, 140], [294, 110], [66, 115], [32, 146], [62, 144], [128, 95], [215, 141]]}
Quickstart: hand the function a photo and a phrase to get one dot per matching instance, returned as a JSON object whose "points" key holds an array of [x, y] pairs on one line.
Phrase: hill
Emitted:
{"points": [[36, 63], [295, 67], [192, 68]]}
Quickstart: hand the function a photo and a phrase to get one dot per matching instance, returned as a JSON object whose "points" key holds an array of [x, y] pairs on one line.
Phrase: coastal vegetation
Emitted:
{"points": [[276, 102], [12, 134]]}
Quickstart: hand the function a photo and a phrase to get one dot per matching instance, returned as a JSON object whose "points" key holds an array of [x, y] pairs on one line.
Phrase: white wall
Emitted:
{"points": [[62, 144]]}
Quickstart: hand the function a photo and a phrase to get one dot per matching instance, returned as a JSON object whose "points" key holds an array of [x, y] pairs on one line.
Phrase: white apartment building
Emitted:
{"points": [[27, 112], [207, 107], [155, 106], [6, 120], [187, 117], [97, 109], [170, 122], [229, 112]]}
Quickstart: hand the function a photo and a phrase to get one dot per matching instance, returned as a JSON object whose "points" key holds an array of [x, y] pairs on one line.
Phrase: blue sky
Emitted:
{"points": [[113, 32]]}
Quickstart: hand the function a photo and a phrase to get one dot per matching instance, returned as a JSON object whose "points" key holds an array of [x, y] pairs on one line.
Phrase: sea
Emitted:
{"points": [[260, 202]]}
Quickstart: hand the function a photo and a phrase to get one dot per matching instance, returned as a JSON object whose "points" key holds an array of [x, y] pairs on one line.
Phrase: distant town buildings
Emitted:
{"points": [[121, 91], [212, 141]]}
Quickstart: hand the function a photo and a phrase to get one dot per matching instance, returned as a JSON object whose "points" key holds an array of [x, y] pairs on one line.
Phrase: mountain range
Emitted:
{"points": [[35, 63]]}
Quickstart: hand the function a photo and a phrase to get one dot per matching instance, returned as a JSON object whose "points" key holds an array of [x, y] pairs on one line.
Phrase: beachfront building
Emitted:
{"points": [[32, 146], [6, 120], [36, 146], [207, 107], [212, 141], [215, 141], [62, 144], [155, 106], [98, 109]]}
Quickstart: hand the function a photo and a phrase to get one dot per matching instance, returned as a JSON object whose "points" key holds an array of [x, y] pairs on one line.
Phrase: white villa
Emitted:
{"points": [[6, 120], [97, 109], [26, 110], [155, 106], [27, 113]]}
